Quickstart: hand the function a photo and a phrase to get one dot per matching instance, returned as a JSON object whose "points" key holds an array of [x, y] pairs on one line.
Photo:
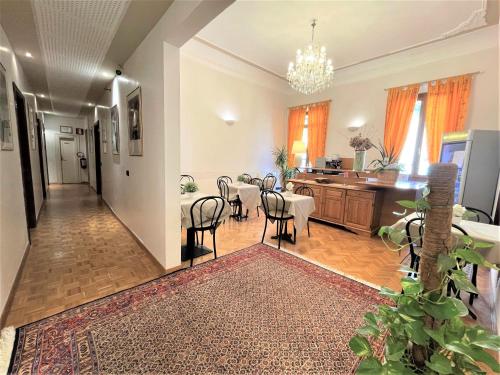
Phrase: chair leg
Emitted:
{"points": [[197, 240], [258, 211], [474, 282], [264, 234], [215, 248], [308, 231], [202, 237]]}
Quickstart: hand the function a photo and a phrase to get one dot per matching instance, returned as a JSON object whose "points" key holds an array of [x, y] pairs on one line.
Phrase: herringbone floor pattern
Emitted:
{"points": [[81, 252]]}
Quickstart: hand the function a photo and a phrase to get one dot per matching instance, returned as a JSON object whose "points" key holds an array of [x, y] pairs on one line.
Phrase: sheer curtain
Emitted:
{"points": [[296, 118], [446, 110], [317, 128], [400, 104]]}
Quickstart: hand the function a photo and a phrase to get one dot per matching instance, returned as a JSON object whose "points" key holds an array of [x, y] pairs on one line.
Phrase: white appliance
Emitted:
{"points": [[477, 155]]}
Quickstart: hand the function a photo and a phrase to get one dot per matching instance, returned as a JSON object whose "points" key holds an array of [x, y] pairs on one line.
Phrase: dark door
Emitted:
{"points": [[40, 156], [24, 150], [97, 148]]}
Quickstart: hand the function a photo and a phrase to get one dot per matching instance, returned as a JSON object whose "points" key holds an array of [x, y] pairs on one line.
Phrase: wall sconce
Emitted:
{"points": [[356, 124], [230, 121]]}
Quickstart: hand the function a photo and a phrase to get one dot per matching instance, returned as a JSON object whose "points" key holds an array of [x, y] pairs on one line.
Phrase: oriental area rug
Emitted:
{"points": [[259, 310]]}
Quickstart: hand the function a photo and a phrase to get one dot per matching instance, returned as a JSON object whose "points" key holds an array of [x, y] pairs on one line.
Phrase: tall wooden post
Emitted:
{"points": [[437, 236]]}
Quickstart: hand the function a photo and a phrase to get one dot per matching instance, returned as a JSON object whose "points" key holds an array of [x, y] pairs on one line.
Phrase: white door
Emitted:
{"points": [[68, 161]]}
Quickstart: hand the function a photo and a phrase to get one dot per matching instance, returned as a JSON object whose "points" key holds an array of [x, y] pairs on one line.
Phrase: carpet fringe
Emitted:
{"points": [[7, 338]]}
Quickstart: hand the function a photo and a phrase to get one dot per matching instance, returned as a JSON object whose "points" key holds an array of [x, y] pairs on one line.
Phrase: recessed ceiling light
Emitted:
{"points": [[41, 95], [89, 104], [107, 75], [28, 54]]}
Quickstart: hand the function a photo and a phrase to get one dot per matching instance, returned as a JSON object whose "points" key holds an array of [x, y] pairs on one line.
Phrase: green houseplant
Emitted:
{"points": [[190, 187], [240, 179], [281, 161], [422, 330], [386, 166]]}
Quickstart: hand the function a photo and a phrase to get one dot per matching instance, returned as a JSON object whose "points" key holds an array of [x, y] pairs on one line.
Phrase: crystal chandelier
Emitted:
{"points": [[312, 71]]}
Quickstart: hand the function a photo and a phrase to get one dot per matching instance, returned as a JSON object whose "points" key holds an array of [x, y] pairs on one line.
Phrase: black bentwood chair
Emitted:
{"points": [[269, 182], [305, 190], [481, 216], [257, 182], [205, 215], [246, 178], [273, 204], [186, 178], [224, 193], [227, 179]]}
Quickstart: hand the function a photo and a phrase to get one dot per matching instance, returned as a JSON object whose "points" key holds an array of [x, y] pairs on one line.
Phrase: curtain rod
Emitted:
{"points": [[310, 104], [432, 80]]}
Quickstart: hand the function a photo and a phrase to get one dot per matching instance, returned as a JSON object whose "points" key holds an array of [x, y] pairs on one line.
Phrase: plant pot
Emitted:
{"points": [[189, 194], [388, 175], [359, 161]]}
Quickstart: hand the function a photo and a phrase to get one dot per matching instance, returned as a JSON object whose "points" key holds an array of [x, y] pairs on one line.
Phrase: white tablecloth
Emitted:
{"points": [[249, 194], [300, 206], [187, 201], [478, 231]]}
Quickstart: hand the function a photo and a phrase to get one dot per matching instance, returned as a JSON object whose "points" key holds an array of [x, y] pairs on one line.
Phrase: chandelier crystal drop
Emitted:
{"points": [[312, 71]]}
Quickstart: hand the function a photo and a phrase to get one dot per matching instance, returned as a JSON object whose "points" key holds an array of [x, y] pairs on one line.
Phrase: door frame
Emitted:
{"points": [[40, 155], [97, 153], [24, 155], [72, 139]]}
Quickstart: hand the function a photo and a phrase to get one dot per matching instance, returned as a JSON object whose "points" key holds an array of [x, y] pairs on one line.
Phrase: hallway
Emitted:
{"points": [[79, 252]]}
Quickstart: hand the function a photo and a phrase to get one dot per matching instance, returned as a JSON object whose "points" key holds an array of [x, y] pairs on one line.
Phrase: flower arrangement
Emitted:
{"points": [[190, 187], [240, 178], [360, 143]]}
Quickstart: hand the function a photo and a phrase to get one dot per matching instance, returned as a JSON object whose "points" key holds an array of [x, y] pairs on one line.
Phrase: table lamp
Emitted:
{"points": [[298, 149]]}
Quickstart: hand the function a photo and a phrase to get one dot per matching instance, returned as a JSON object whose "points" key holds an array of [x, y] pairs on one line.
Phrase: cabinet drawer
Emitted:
{"points": [[334, 193], [361, 194]]}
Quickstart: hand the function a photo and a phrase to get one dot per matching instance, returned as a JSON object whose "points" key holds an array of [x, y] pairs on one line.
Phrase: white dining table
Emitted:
{"points": [[478, 231], [249, 194], [187, 201], [300, 206]]}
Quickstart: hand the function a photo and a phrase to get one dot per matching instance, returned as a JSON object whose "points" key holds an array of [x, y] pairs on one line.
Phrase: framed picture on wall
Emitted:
{"points": [[79, 131], [115, 130], [31, 126], [135, 128], [66, 129], [104, 137], [6, 140]]}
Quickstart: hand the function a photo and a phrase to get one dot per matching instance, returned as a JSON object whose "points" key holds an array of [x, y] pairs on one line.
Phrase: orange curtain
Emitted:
{"points": [[316, 133], [296, 118], [400, 104], [445, 111]]}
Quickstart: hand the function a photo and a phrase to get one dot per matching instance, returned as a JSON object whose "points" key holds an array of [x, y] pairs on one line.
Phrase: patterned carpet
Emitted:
{"points": [[258, 310]]}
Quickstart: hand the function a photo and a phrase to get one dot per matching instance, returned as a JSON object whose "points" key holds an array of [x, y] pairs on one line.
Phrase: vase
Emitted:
{"points": [[389, 176], [359, 161]]}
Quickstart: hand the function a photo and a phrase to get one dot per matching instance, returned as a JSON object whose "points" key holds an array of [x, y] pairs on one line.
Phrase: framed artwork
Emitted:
{"points": [[91, 140], [135, 128], [104, 138], [115, 130], [6, 140], [66, 129], [79, 131], [31, 126]]}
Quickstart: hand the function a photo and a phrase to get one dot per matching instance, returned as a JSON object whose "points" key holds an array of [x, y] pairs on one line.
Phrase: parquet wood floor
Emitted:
{"points": [[81, 252]]}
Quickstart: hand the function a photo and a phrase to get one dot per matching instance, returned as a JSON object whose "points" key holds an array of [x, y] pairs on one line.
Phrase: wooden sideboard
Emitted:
{"points": [[355, 208]]}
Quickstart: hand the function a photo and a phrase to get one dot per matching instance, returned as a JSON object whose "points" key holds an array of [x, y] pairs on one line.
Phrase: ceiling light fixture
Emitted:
{"points": [[28, 54], [312, 71], [107, 75], [41, 95], [89, 104]]}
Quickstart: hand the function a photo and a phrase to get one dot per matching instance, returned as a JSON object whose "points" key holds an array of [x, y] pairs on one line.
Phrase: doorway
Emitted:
{"points": [[97, 148], [40, 156], [24, 151], [69, 170]]}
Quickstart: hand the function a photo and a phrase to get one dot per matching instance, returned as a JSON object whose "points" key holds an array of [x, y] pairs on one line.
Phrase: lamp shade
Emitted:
{"points": [[298, 147]]}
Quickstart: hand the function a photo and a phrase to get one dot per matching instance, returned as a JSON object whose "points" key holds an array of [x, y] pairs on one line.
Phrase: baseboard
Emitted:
{"points": [[139, 241], [8, 304]]}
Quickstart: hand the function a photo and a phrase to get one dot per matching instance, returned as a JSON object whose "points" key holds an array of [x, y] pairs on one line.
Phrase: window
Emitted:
{"points": [[414, 157], [304, 139]]}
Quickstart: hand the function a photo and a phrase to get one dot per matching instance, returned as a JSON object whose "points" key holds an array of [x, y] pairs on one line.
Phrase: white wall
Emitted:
{"points": [[214, 88], [52, 137], [358, 92], [13, 232]]}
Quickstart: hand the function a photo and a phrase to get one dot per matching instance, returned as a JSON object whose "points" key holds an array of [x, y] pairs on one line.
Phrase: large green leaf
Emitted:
{"points": [[411, 286], [387, 292], [416, 333], [397, 236], [462, 282], [447, 308], [474, 353], [440, 364], [483, 339], [369, 366], [396, 368], [407, 204], [482, 245], [436, 334], [394, 349], [468, 255], [360, 346], [445, 263], [368, 330], [409, 306]]}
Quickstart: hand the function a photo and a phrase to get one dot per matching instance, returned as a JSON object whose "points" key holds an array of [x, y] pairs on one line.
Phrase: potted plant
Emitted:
{"points": [[360, 145], [387, 167], [240, 179], [281, 161], [190, 188], [421, 330]]}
